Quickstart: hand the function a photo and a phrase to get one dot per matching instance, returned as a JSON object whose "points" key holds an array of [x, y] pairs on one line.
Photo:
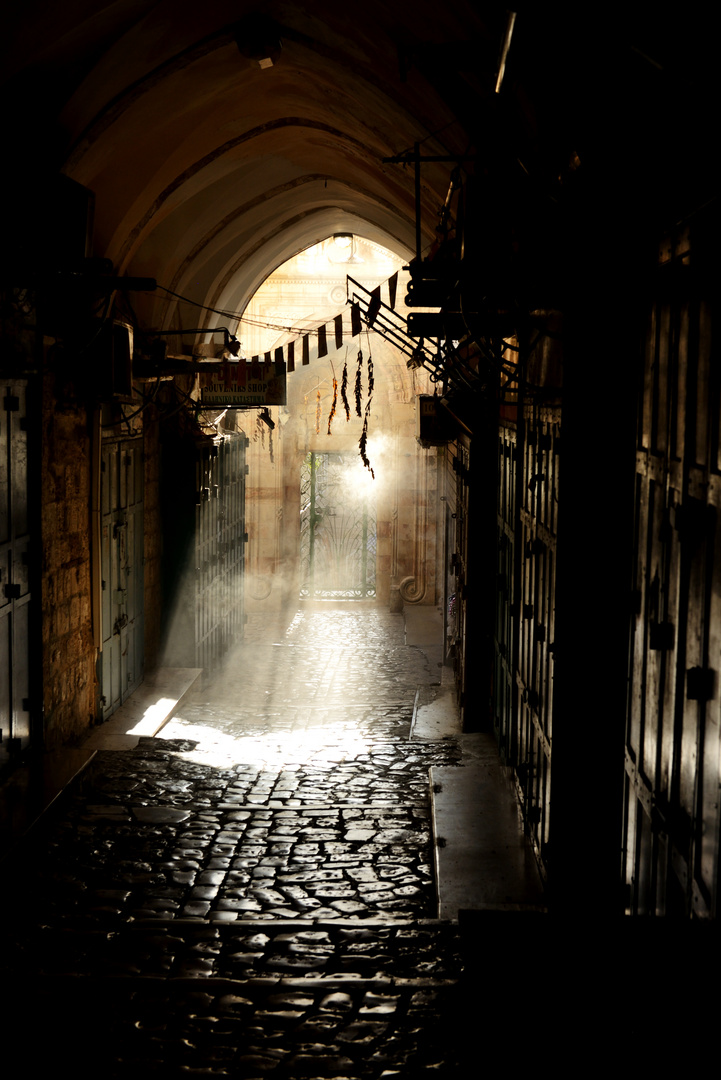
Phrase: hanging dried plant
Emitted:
{"points": [[270, 446], [317, 412], [366, 416], [331, 414], [363, 442], [344, 389], [359, 384], [371, 381]]}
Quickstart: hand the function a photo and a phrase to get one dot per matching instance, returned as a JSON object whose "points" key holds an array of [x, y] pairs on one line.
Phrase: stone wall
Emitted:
{"points": [[153, 549], [68, 649]]}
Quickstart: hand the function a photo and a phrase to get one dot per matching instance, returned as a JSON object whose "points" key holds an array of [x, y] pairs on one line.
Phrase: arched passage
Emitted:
{"points": [[200, 146]]}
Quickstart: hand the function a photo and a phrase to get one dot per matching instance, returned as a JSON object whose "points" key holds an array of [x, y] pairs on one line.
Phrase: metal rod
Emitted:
{"points": [[504, 49]]}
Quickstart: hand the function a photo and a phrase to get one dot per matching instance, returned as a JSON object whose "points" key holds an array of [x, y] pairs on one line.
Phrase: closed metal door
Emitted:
{"points": [[673, 740], [220, 539], [15, 596], [122, 572]]}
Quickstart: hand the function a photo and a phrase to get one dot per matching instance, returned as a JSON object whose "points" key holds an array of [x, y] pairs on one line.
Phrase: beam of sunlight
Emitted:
{"points": [[153, 717], [327, 744]]}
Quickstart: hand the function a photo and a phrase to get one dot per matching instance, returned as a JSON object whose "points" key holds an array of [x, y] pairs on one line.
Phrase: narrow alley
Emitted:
{"points": [[250, 893], [360, 540]]}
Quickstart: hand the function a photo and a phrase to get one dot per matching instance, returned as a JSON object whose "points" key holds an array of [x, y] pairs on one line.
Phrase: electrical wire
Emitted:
{"points": [[233, 315], [148, 401]]}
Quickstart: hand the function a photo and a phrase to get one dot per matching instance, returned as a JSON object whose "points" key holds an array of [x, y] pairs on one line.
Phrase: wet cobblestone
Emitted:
{"points": [[250, 894]]}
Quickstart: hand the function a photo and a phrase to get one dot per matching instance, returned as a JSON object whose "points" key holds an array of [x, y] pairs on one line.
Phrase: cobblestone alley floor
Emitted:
{"points": [[251, 893]]}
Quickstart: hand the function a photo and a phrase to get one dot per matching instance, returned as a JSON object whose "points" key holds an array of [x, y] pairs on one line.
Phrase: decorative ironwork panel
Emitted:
{"points": [[673, 747], [337, 530]]}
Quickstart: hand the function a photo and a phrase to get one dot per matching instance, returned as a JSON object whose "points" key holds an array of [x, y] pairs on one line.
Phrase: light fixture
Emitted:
{"points": [[343, 249], [258, 39]]}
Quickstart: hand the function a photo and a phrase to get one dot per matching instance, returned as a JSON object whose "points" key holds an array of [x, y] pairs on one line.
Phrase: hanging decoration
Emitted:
{"points": [[364, 433], [362, 445], [331, 414], [369, 364], [344, 388], [317, 411], [359, 384]]}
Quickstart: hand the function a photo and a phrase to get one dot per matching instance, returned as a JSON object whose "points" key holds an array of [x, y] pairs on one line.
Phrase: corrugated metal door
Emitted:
{"points": [[673, 746], [122, 547], [220, 539], [15, 596]]}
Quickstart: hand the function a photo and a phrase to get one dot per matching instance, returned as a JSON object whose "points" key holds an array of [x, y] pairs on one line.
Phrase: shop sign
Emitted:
{"points": [[242, 383]]}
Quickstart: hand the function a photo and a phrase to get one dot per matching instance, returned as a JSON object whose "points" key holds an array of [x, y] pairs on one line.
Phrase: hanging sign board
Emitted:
{"points": [[242, 383]]}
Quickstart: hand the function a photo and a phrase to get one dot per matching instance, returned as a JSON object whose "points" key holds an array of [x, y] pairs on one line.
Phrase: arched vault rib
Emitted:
{"points": [[366, 198], [255, 262], [367, 74], [221, 151]]}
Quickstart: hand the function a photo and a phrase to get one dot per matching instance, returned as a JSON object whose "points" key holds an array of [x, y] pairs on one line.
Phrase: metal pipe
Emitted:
{"points": [[504, 49]]}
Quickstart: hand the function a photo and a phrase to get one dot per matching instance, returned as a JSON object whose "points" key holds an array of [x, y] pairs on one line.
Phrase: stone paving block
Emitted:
{"points": [[154, 879]]}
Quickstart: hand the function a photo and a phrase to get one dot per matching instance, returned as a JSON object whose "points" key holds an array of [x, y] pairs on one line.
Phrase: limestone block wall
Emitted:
{"points": [[153, 546], [67, 639]]}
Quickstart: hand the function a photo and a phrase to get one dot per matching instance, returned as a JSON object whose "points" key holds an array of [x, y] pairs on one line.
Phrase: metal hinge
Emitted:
{"points": [[11, 403]]}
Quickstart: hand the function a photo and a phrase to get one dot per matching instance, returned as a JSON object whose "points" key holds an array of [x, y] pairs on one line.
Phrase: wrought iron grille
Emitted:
{"points": [[337, 530]]}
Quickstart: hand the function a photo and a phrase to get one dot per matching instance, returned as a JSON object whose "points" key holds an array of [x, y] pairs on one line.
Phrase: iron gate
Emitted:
{"points": [[337, 530], [15, 596], [122, 548]]}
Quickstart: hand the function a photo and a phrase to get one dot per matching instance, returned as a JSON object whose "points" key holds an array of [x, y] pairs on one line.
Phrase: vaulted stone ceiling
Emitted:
{"points": [[210, 169]]}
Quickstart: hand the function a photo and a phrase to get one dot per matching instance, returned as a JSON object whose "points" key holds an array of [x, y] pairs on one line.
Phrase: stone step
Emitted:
{"points": [[146, 711], [483, 860]]}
